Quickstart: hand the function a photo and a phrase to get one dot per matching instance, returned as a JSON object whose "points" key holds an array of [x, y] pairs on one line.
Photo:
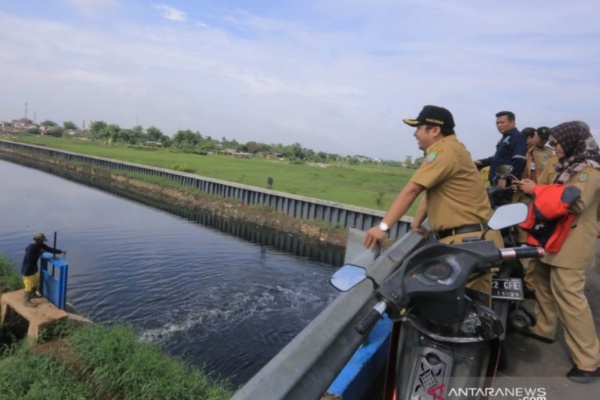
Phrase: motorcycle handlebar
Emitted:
{"points": [[371, 319], [512, 253]]}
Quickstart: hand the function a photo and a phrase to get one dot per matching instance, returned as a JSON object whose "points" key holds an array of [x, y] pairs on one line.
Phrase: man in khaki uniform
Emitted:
{"points": [[538, 154], [547, 175], [455, 200], [560, 277]]}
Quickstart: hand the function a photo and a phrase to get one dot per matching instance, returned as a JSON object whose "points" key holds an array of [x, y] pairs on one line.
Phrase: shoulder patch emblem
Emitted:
{"points": [[583, 177], [431, 156]]}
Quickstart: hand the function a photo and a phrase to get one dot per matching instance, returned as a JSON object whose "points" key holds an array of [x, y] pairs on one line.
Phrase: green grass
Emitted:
{"points": [[119, 363], [24, 376], [370, 186], [96, 363], [10, 279]]}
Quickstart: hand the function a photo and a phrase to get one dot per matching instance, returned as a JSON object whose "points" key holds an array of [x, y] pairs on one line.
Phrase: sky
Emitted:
{"points": [[335, 76]]}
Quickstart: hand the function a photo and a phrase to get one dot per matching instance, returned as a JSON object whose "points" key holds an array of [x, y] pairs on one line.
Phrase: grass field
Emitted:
{"points": [[365, 185]]}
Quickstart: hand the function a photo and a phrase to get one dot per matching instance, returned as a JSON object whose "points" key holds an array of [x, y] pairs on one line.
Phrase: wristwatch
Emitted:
{"points": [[384, 227]]}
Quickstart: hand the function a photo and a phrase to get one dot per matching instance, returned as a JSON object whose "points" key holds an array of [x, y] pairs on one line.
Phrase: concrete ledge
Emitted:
{"points": [[40, 317]]}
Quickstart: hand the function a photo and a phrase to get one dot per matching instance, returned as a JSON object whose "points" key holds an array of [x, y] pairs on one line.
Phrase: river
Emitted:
{"points": [[221, 302]]}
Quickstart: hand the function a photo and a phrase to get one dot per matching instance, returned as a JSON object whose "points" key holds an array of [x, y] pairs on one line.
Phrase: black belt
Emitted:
{"points": [[460, 230]]}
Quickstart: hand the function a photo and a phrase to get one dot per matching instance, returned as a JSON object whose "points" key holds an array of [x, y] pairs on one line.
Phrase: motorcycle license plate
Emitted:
{"points": [[510, 289]]}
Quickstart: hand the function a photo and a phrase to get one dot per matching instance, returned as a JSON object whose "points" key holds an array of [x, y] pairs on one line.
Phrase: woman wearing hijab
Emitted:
{"points": [[560, 276]]}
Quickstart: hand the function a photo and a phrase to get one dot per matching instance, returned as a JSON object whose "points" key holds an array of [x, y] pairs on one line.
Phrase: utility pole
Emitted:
{"points": [[25, 109]]}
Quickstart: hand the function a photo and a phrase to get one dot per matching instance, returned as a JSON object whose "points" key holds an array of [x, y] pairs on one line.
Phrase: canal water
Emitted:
{"points": [[223, 302]]}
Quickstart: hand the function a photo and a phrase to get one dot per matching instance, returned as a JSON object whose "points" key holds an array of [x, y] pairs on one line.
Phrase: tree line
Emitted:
{"points": [[194, 142]]}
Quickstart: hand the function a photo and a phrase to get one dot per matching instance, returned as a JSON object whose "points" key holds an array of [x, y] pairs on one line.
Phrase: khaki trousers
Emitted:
{"points": [[529, 266], [484, 283], [560, 297]]}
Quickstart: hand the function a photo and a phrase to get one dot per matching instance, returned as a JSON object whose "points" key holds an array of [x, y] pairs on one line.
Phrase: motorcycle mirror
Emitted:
{"points": [[347, 277], [508, 215]]}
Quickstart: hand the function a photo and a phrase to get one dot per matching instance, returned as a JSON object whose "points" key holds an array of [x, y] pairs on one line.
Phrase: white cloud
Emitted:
{"points": [[171, 13], [333, 78]]}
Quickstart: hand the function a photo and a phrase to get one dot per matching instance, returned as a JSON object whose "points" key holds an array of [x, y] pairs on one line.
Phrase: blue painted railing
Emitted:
{"points": [[53, 280]]}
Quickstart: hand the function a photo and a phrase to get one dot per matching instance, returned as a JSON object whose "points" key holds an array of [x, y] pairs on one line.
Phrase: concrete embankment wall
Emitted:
{"points": [[300, 207]]}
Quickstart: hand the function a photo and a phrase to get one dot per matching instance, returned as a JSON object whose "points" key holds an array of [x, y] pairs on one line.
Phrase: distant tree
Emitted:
{"points": [[96, 127], [138, 131], [230, 144], [277, 148], [55, 131], [309, 154], [253, 147], [294, 151], [186, 139], [165, 140], [321, 156], [34, 130], [48, 123], [154, 134], [110, 133], [129, 136], [408, 160], [69, 125]]}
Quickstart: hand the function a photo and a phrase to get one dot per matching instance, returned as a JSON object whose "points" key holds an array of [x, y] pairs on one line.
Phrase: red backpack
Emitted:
{"points": [[549, 221]]}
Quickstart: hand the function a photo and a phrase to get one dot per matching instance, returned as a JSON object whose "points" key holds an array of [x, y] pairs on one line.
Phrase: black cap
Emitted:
{"points": [[543, 132], [433, 115]]}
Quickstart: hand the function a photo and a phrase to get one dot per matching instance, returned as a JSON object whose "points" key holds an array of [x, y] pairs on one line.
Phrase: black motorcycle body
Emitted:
{"points": [[445, 337]]}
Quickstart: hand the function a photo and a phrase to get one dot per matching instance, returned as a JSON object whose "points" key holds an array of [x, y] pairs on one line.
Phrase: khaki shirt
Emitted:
{"points": [[546, 177], [455, 193], [536, 160], [485, 174], [578, 250]]}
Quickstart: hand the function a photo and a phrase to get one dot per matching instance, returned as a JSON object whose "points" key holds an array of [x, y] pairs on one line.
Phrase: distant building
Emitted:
{"points": [[241, 154], [22, 123], [152, 143], [78, 133]]}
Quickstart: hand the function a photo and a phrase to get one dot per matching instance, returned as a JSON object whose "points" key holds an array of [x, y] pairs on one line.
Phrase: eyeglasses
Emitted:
{"points": [[553, 143]]}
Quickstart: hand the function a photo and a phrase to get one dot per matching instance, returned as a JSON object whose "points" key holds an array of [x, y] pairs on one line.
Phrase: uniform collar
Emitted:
{"points": [[509, 133], [445, 139]]}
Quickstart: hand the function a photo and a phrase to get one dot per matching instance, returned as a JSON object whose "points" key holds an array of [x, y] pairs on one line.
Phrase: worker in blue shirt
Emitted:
{"points": [[511, 149], [29, 268]]}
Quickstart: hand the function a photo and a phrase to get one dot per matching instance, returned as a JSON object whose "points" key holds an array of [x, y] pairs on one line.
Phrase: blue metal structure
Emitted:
{"points": [[366, 365], [53, 279]]}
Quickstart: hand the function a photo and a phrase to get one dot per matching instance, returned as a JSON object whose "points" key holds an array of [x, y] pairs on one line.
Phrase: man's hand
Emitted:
{"points": [[477, 162], [421, 230], [374, 236], [526, 185]]}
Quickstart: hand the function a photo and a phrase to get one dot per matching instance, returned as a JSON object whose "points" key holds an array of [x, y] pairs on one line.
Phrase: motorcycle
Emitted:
{"points": [[509, 304], [443, 338]]}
